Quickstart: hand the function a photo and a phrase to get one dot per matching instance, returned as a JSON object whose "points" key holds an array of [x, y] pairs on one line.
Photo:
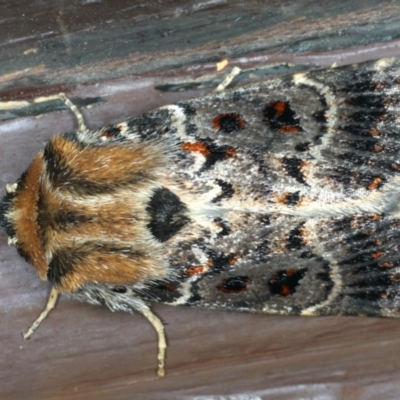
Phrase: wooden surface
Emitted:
{"points": [[119, 53]]}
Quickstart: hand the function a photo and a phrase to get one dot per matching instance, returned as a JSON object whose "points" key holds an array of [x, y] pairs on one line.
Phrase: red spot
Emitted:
{"points": [[374, 132], [170, 287], [199, 269], [232, 260], [395, 278], [290, 129], [197, 146], [377, 254], [195, 270], [204, 149], [228, 123], [278, 115], [107, 135], [375, 184], [284, 282], [280, 107], [288, 198], [394, 166], [387, 265], [230, 152], [236, 284], [286, 290]]}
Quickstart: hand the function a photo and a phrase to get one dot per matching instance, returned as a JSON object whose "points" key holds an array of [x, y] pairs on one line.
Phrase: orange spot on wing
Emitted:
{"points": [[230, 152], [286, 290], [280, 107], [199, 269], [290, 129], [197, 146], [377, 254], [232, 260], [375, 183], [195, 270], [395, 278], [374, 132]]}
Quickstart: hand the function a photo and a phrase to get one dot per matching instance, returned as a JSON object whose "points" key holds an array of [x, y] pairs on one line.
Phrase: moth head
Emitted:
{"points": [[18, 215], [8, 212]]}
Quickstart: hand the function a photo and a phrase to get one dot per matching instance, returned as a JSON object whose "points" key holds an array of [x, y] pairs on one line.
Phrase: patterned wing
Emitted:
{"points": [[293, 190]]}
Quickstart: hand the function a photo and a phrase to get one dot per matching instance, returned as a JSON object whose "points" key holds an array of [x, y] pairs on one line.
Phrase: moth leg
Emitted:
{"points": [[81, 123], [228, 80], [162, 342], [51, 302]]}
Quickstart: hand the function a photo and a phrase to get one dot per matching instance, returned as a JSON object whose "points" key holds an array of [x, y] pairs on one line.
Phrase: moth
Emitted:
{"points": [[280, 197]]}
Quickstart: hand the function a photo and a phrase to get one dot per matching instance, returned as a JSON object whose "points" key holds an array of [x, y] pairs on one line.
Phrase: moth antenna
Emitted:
{"points": [[81, 123], [162, 342], [228, 80], [51, 303]]}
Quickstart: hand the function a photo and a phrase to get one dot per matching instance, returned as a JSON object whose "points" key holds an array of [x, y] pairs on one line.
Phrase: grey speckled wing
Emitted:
{"points": [[293, 189]]}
